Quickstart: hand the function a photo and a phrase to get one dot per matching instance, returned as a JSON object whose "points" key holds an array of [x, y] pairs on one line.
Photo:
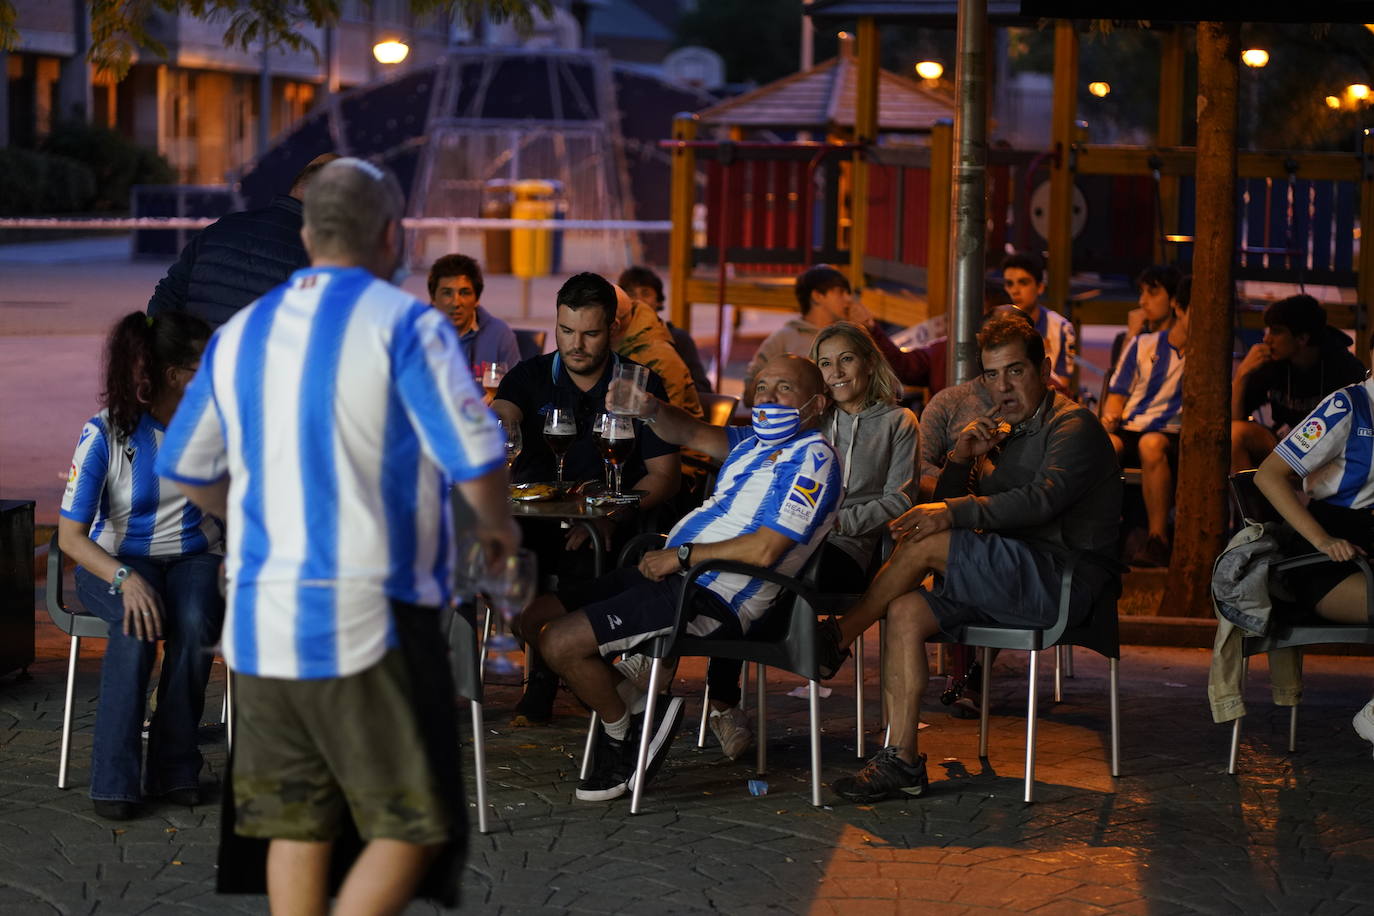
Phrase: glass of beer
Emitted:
{"points": [[560, 431], [615, 439], [492, 373]]}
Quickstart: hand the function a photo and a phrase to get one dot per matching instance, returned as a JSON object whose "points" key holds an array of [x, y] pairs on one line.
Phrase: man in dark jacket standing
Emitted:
{"points": [[239, 257]]}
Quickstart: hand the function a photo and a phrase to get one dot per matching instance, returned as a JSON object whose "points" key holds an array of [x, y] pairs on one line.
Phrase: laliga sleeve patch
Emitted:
{"points": [[1309, 434]]}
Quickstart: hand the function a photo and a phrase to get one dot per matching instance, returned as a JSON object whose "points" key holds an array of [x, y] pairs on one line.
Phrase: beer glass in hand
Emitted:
{"points": [[560, 431], [616, 439]]}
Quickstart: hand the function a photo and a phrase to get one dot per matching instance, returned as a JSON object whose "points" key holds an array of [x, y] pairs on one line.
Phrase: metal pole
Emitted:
{"points": [[264, 103], [968, 204], [808, 39]]}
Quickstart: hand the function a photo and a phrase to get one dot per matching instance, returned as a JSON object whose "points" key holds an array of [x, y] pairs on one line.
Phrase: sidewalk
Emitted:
{"points": [[1175, 834]]}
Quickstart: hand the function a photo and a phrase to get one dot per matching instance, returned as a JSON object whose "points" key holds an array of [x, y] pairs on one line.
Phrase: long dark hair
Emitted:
{"points": [[140, 350]]}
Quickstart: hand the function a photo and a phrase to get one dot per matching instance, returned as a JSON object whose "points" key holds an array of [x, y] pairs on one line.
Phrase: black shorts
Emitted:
{"points": [[625, 609], [1130, 447], [1310, 584]]}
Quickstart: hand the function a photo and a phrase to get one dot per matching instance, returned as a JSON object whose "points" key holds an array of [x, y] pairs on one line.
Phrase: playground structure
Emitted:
{"points": [[882, 212]]}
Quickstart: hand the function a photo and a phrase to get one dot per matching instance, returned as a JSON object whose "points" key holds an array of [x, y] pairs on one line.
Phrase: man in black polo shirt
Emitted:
{"points": [[575, 377]]}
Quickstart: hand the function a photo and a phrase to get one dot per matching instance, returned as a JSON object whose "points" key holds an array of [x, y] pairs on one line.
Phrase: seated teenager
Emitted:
{"points": [[1329, 456], [1299, 362], [644, 286], [1144, 407], [1023, 277], [1028, 485], [774, 502], [455, 288]]}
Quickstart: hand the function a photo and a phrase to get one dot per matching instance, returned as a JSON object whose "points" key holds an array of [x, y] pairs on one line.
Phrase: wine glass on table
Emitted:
{"points": [[560, 431], [616, 440], [514, 443]]}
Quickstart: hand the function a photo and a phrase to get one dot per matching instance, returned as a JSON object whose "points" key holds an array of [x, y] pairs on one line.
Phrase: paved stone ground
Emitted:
{"points": [[1175, 834]]}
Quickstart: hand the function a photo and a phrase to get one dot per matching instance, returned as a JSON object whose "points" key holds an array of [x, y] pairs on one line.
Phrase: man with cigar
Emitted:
{"points": [[1029, 483]]}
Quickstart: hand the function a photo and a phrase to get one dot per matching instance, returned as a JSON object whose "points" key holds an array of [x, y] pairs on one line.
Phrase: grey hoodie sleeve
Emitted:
{"points": [[934, 424], [900, 451]]}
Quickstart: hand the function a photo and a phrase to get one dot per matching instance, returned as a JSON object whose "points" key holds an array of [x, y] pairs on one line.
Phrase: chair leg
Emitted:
{"points": [[761, 738], [479, 764], [939, 658], [1059, 674], [1235, 745], [229, 707], [859, 697], [224, 701], [1293, 730], [987, 701], [1068, 661], [591, 743], [482, 655], [67, 713], [1114, 667], [1030, 726], [814, 695], [646, 733], [705, 713], [882, 671], [744, 688]]}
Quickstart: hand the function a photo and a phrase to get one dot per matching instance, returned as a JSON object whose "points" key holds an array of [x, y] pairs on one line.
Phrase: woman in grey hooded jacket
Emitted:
{"points": [[877, 442]]}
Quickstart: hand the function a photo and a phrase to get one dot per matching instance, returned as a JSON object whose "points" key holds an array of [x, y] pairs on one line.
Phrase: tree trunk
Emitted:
{"points": [[1200, 526]]}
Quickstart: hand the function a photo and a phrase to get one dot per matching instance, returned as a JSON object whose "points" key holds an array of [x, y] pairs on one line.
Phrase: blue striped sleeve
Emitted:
{"points": [[86, 480], [809, 492], [193, 449], [457, 430], [1124, 375]]}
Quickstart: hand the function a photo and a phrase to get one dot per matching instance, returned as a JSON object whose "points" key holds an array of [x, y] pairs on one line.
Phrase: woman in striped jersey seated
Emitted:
{"points": [[148, 565], [1144, 406], [1330, 455]]}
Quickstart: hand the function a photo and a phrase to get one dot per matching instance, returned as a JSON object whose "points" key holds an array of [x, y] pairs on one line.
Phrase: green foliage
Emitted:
{"points": [[34, 183], [116, 163], [119, 28]]}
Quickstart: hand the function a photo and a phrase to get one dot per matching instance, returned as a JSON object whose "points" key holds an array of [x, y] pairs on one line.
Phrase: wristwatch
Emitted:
{"points": [[117, 583], [684, 556]]}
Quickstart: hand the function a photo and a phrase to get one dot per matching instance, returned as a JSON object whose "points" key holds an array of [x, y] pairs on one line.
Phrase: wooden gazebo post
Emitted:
{"points": [[682, 198], [1064, 111], [865, 132]]}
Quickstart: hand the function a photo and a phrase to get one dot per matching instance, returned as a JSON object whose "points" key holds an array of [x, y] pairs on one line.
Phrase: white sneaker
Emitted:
{"points": [[1364, 722], [731, 728], [636, 668]]}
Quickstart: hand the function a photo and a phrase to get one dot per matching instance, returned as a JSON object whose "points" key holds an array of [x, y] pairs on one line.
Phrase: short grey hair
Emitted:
{"points": [[347, 206]]}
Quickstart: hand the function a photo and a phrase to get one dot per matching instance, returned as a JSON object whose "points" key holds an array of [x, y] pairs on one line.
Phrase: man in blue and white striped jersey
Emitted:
{"points": [[1144, 407], [775, 500], [326, 423]]}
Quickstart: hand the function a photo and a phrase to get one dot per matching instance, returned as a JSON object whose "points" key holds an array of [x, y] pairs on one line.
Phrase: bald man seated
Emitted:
{"points": [[775, 499]]}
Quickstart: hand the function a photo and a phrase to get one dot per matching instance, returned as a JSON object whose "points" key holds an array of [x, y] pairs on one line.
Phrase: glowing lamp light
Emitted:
{"points": [[930, 69], [1255, 57], [390, 51], [1100, 89], [1332, 102], [1358, 91]]}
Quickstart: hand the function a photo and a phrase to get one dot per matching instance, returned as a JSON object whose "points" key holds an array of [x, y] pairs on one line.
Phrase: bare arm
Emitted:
{"points": [[1256, 357], [1112, 409], [142, 603], [510, 414], [1277, 481], [763, 547], [662, 480]]}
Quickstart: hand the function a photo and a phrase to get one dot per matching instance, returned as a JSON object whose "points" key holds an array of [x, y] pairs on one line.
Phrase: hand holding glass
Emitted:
{"points": [[628, 390]]}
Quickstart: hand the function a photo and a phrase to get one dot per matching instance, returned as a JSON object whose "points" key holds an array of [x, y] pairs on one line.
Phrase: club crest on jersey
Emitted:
{"points": [[1309, 434], [471, 410]]}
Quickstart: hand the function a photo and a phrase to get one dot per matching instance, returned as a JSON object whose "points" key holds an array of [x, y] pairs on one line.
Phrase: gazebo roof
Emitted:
{"points": [[822, 98]]}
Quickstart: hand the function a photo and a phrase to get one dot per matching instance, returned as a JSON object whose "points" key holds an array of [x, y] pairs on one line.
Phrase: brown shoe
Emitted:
{"points": [[1153, 555]]}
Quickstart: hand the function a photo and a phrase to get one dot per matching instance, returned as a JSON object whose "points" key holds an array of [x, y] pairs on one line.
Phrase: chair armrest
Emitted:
{"points": [[52, 591], [795, 586], [639, 545], [1056, 632]]}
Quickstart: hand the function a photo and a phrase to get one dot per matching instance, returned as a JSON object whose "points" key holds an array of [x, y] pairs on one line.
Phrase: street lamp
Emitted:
{"points": [[1100, 89], [1333, 102], [1255, 57], [1358, 91], [930, 69], [390, 51]]}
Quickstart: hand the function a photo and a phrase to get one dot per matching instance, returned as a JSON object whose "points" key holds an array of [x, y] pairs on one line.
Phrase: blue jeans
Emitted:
{"points": [[193, 613]]}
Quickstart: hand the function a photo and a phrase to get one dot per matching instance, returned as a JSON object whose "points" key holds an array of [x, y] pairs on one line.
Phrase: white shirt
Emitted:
{"points": [[341, 408], [113, 487], [1333, 449], [793, 488]]}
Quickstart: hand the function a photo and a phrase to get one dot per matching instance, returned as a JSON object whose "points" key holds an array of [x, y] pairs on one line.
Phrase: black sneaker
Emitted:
{"points": [[1153, 555], [115, 810], [613, 763], [667, 720], [884, 776], [829, 655], [536, 706]]}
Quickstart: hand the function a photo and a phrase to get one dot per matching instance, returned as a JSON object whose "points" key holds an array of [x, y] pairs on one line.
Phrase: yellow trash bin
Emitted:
{"points": [[532, 249]]}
